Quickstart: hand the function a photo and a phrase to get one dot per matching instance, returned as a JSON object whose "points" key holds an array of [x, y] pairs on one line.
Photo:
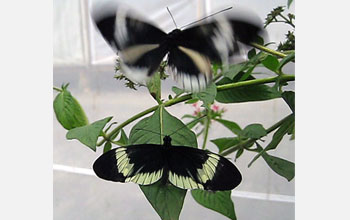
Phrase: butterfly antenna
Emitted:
{"points": [[206, 17], [186, 125], [171, 17], [148, 131]]}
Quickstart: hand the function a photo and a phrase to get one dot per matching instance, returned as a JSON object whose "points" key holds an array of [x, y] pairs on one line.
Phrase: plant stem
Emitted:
{"points": [[268, 50], [206, 131], [189, 96], [57, 89], [283, 78]]}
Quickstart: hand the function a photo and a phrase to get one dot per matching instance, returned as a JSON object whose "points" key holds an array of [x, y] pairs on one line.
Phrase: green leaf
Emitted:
{"points": [[166, 199], [271, 63], [281, 166], [286, 127], [286, 60], [88, 134], [177, 90], [234, 69], [239, 153], [107, 147], [251, 53], [148, 130], [289, 98], [232, 126], [219, 201], [68, 111], [154, 87], [123, 138], [191, 101], [289, 3], [254, 131], [245, 94], [225, 143], [207, 96]]}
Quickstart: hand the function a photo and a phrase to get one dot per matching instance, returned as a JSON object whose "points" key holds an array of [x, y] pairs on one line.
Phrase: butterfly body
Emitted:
{"points": [[142, 45], [184, 167]]}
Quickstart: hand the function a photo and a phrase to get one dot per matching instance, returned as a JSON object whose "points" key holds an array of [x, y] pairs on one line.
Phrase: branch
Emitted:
{"points": [[186, 97], [268, 50]]}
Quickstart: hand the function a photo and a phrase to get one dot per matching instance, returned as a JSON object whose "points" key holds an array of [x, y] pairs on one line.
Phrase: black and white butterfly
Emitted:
{"points": [[142, 46], [183, 167]]}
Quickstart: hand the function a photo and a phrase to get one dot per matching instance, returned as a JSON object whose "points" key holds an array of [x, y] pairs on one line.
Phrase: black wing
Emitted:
{"points": [[219, 39], [137, 42], [211, 41], [142, 164], [191, 168]]}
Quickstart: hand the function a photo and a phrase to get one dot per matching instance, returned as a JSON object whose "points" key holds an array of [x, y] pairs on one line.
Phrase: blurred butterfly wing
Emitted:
{"points": [[141, 164], [189, 68], [137, 42], [191, 168], [219, 38]]}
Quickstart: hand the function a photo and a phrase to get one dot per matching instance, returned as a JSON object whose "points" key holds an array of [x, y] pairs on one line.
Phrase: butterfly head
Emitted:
{"points": [[167, 141]]}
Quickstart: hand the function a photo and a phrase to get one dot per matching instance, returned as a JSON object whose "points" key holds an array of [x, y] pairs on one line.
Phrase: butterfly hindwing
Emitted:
{"points": [[191, 168], [142, 164]]}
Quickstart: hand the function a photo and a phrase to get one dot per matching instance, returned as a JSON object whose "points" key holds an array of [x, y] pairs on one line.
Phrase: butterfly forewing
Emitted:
{"points": [[191, 168], [142, 164]]}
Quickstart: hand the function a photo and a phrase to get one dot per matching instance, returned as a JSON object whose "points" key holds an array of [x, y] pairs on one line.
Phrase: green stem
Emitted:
{"points": [[186, 97], [287, 20], [282, 78], [206, 130], [57, 89], [268, 50]]}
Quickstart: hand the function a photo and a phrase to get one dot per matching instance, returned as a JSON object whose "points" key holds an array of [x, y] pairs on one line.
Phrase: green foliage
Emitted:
{"points": [[246, 93], [238, 83], [68, 111], [88, 134], [219, 201]]}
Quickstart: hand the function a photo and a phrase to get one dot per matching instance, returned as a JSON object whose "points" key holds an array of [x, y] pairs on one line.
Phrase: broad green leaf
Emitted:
{"points": [[219, 201], [254, 131], [246, 93], [207, 96], [148, 130], [68, 111], [107, 147], [271, 63], [166, 199], [281, 166], [289, 98], [88, 134], [225, 143], [232, 126], [154, 87]]}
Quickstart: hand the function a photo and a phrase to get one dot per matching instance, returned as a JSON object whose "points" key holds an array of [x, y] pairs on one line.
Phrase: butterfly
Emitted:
{"points": [[142, 46], [184, 167]]}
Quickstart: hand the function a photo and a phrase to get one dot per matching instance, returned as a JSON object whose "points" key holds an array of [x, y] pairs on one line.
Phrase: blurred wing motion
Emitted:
{"points": [[184, 167], [142, 46]]}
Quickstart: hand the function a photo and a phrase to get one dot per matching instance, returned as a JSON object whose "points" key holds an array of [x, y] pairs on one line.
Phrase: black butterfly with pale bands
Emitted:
{"points": [[184, 167], [142, 46]]}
